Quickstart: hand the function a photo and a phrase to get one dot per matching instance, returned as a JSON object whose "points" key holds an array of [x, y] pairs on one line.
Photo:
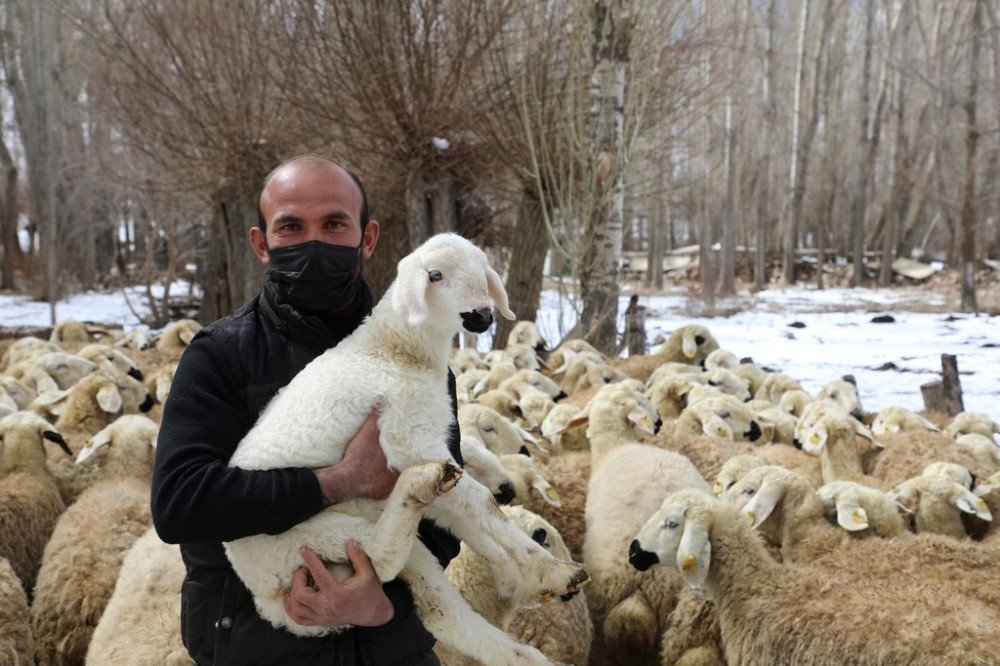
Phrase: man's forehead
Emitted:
{"points": [[312, 183]]}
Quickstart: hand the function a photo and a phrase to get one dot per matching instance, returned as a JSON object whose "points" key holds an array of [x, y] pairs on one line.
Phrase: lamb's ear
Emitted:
{"points": [[694, 554], [186, 335], [7, 404], [109, 399], [93, 445], [688, 345], [52, 401], [815, 439], [851, 516], [44, 382], [862, 431], [583, 418], [409, 291], [762, 504], [546, 490], [162, 391], [497, 292], [969, 502], [715, 426]]}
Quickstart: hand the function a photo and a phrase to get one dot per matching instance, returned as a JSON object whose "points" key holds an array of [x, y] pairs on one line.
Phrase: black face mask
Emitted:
{"points": [[314, 276]]}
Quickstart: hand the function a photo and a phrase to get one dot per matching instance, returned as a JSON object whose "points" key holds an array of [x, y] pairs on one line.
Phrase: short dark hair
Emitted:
{"points": [[311, 157]]}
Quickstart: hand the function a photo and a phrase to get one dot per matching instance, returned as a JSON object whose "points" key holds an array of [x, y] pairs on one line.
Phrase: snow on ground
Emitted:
{"points": [[838, 337]]}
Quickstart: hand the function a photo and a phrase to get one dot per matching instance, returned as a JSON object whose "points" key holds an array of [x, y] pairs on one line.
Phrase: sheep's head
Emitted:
{"points": [[526, 333], [678, 532], [99, 353], [60, 370], [621, 404], [730, 383], [735, 469], [794, 402], [131, 440], [972, 422], [695, 343], [935, 496], [21, 441], [525, 476], [844, 393], [498, 434], [721, 358], [726, 417], [486, 468], [771, 499], [448, 280]]}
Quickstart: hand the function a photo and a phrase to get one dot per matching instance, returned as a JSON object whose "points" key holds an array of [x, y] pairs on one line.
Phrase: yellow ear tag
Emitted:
{"points": [[717, 488], [814, 438], [856, 516], [751, 517], [721, 432], [689, 564], [981, 505], [551, 493]]}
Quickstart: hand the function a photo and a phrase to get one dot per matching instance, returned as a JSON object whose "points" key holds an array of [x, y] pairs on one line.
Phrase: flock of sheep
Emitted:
{"points": [[724, 514]]}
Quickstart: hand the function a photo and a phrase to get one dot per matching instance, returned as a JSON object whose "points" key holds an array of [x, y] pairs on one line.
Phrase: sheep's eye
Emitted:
{"points": [[712, 382], [749, 491], [435, 276], [488, 428], [540, 536], [670, 524], [724, 415], [698, 339]]}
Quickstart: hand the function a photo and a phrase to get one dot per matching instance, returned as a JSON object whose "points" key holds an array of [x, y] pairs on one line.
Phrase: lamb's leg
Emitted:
{"points": [[395, 531], [453, 622], [523, 570]]}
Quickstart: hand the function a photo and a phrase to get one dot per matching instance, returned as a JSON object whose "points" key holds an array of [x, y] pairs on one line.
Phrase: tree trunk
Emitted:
{"points": [[527, 260], [861, 205], [12, 255], [763, 221], [791, 229], [233, 275], [968, 222], [418, 218], [599, 270], [896, 208], [727, 285]]}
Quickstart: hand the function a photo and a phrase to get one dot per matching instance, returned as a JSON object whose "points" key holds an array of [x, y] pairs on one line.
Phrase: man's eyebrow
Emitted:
{"points": [[287, 217], [337, 215]]}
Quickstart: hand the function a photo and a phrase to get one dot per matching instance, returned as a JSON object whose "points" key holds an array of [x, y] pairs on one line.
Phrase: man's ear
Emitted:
{"points": [[258, 242], [369, 239]]}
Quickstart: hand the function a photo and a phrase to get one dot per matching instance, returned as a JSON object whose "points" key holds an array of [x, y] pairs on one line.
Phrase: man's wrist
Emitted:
{"points": [[334, 484]]}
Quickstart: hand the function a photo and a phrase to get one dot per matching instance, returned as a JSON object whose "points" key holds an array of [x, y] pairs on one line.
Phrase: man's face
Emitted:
{"points": [[312, 201]]}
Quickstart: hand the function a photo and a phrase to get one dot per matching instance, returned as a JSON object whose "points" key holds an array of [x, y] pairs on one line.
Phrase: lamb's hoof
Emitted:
{"points": [[449, 476]]}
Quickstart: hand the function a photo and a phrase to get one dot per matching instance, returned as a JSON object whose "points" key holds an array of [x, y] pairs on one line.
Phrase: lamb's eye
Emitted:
{"points": [[435, 276], [749, 491], [698, 340], [724, 415], [712, 382], [670, 524], [488, 428]]}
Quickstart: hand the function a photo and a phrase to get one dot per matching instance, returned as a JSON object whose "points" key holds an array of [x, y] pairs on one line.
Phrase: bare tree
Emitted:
{"points": [[968, 222], [763, 212]]}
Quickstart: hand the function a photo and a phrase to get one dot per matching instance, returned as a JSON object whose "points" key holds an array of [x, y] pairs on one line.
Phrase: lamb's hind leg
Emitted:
{"points": [[396, 529], [453, 622], [522, 569]]}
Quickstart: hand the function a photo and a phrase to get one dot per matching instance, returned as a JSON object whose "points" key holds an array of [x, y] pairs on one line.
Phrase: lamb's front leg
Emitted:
{"points": [[522, 569]]}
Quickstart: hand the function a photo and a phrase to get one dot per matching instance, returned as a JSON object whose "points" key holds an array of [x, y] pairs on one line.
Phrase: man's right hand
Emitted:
{"points": [[363, 471]]}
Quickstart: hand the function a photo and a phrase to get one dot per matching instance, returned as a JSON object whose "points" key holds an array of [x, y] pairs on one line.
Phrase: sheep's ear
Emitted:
{"points": [[497, 292], [44, 382], [694, 554], [861, 431], [528, 437], [93, 445], [578, 420], [851, 516], [640, 418], [715, 426], [409, 291], [162, 391], [927, 424], [52, 401], [7, 404], [688, 345], [186, 335], [109, 399], [762, 504], [969, 502], [815, 439], [546, 490]]}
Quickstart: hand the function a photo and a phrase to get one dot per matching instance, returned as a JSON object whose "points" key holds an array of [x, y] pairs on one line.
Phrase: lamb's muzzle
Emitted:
{"points": [[477, 321], [643, 560]]}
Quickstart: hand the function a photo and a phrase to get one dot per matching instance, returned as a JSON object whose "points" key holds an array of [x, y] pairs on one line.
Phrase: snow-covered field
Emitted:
{"points": [[837, 338]]}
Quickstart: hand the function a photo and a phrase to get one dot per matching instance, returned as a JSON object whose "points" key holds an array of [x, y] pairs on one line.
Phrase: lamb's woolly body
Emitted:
{"points": [[629, 608], [83, 411], [892, 420], [140, 624], [570, 475], [81, 564], [16, 643], [906, 454], [25, 348], [30, 505], [397, 362], [792, 614], [692, 636], [69, 330]]}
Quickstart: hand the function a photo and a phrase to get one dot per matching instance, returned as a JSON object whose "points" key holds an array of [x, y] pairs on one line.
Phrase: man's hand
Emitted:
{"points": [[359, 600], [363, 472]]}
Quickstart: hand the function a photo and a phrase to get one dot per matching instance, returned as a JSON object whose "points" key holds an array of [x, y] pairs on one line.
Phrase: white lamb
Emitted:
{"points": [[397, 363]]}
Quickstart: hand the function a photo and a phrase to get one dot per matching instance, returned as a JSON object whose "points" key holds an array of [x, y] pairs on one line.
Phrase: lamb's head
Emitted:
{"points": [[21, 435], [735, 469], [449, 281], [526, 333], [485, 467], [677, 532], [773, 500]]}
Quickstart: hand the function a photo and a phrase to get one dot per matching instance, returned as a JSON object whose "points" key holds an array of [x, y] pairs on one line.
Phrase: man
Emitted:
{"points": [[313, 237]]}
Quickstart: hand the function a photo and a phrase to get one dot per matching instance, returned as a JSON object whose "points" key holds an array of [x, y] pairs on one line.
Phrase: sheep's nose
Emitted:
{"points": [[559, 396], [135, 373], [657, 426], [755, 432], [639, 558], [147, 404], [796, 443], [477, 321], [506, 494]]}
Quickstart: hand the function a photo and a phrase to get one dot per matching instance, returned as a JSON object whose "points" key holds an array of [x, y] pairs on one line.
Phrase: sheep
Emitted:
{"points": [[593, 375], [526, 333], [52, 371], [485, 467], [722, 358], [794, 402], [463, 360], [628, 480], [777, 425], [26, 348], [522, 356], [673, 370], [16, 642], [776, 385], [96, 400], [561, 631], [83, 557], [857, 507], [938, 501], [525, 477], [753, 374], [500, 435], [892, 420], [845, 393], [466, 382], [827, 431], [735, 469], [969, 422], [108, 357], [689, 344], [498, 372], [137, 339], [730, 383], [768, 613], [397, 360], [178, 335], [983, 448], [501, 402], [560, 357], [140, 623], [531, 380], [722, 416], [30, 503], [908, 453], [535, 406], [159, 382], [14, 395], [558, 432], [669, 394]]}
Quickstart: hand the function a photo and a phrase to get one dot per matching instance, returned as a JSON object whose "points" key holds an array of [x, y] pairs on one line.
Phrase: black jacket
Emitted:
{"points": [[226, 376]]}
